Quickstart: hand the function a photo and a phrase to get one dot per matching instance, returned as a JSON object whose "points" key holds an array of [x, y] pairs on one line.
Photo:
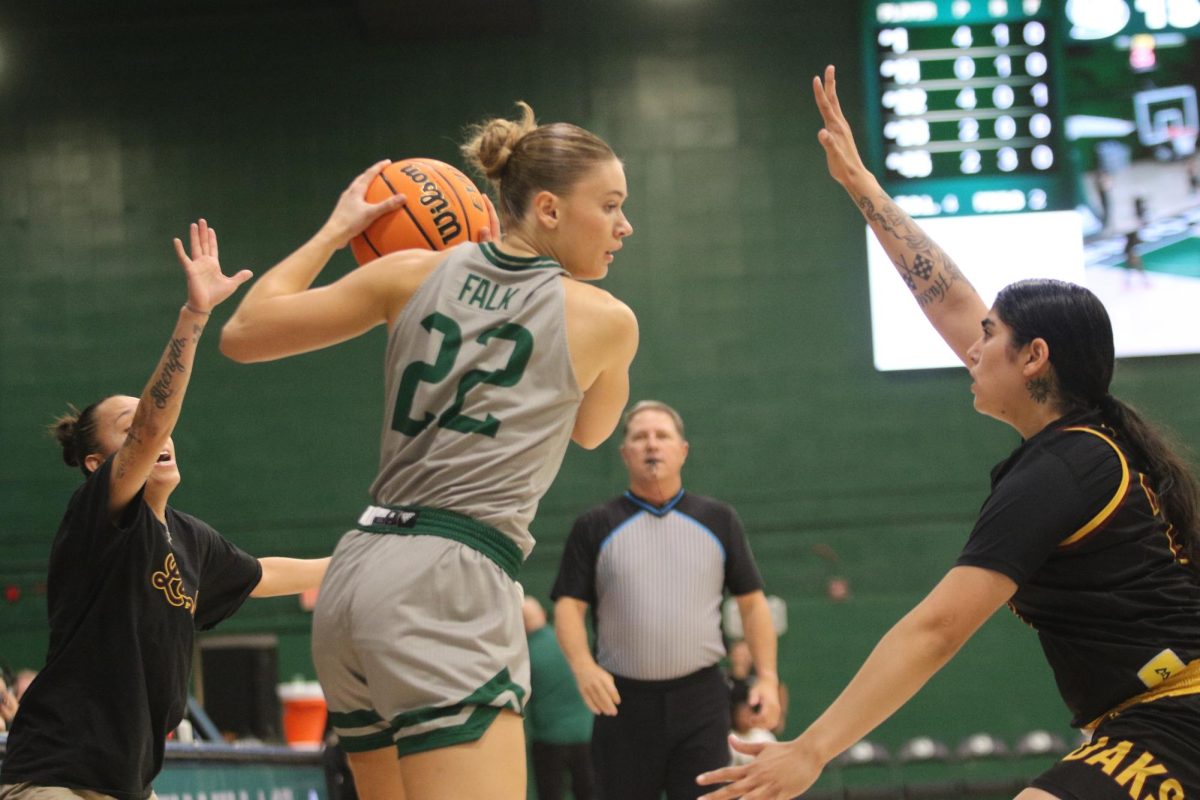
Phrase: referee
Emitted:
{"points": [[653, 565]]}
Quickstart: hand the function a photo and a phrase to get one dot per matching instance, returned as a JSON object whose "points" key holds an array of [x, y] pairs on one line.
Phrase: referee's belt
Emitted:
{"points": [[1184, 682], [425, 521]]}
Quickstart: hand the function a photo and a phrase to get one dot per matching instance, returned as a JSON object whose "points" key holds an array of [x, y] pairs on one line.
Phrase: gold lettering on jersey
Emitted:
{"points": [[170, 581], [1131, 774], [1086, 749], [1171, 790], [479, 291], [1110, 758], [1159, 668], [1137, 772]]}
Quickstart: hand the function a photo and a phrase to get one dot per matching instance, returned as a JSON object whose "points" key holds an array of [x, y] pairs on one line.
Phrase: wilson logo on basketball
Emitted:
{"points": [[432, 197], [442, 208]]}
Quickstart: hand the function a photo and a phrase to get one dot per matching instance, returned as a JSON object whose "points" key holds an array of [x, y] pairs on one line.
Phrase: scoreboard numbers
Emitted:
{"points": [[962, 105]]}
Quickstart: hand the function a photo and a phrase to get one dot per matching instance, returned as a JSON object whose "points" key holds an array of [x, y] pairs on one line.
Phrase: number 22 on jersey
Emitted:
{"points": [[443, 364]]}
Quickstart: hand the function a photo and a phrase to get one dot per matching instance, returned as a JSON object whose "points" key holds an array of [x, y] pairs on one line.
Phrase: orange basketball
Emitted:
{"points": [[442, 208]]}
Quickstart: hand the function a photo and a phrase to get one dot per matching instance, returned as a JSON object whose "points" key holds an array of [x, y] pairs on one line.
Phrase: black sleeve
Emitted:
{"points": [[577, 569], [227, 576], [741, 571], [87, 520], [88, 542], [1032, 510]]}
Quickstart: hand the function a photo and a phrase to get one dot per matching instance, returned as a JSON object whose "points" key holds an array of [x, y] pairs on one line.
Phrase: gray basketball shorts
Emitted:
{"points": [[418, 637]]}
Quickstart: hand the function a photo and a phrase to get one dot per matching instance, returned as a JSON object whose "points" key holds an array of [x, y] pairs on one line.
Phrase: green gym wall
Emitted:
{"points": [[746, 271]]}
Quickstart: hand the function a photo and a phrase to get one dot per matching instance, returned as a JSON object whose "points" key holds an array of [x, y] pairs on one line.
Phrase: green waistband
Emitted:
{"points": [[459, 527]]}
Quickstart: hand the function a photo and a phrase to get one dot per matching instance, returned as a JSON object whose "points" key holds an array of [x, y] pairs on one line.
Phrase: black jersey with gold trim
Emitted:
{"points": [[1100, 573]]}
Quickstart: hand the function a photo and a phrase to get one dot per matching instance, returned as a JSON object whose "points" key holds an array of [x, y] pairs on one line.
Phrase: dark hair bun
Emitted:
{"points": [[63, 430]]}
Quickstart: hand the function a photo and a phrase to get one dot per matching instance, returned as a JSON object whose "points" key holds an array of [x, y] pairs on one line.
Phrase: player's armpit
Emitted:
{"points": [[608, 351]]}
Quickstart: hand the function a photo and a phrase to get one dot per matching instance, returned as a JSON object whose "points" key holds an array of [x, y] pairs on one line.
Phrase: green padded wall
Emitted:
{"points": [[746, 271]]}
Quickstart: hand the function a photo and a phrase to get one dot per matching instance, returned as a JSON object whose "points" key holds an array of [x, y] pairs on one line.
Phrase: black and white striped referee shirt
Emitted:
{"points": [[654, 578]]}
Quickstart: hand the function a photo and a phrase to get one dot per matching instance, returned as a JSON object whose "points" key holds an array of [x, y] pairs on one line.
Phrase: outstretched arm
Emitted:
{"points": [[906, 657], [282, 316], [161, 400], [289, 575], [949, 301]]}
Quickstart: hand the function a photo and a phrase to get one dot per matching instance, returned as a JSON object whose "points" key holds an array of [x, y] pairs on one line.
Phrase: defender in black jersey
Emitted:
{"points": [[130, 581], [1089, 535]]}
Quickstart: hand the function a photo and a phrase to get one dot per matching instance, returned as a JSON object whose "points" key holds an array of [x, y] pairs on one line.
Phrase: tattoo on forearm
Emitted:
{"points": [[927, 261], [1039, 389], [161, 390]]}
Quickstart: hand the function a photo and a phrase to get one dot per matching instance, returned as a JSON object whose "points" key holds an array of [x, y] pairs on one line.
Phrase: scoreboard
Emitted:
{"points": [[968, 108], [963, 105]]}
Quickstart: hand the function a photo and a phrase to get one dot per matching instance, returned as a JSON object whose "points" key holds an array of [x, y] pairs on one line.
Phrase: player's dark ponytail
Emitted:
{"points": [[1172, 476], [75, 432], [1076, 327]]}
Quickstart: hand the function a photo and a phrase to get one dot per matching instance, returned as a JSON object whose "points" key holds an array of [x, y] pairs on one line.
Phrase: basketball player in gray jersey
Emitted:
{"points": [[504, 308], [498, 354]]}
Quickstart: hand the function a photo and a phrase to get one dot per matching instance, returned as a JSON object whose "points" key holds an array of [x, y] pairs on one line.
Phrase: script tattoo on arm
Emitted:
{"points": [[161, 390], [122, 466], [925, 268]]}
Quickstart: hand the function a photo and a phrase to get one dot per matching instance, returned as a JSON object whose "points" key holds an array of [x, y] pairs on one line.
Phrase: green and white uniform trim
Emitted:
{"points": [[431, 727], [420, 521], [515, 263]]}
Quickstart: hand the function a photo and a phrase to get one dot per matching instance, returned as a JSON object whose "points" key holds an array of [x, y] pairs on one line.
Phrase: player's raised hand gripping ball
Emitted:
{"points": [[442, 208]]}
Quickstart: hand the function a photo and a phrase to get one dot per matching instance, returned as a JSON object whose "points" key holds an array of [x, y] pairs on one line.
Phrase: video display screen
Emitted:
{"points": [[985, 116]]}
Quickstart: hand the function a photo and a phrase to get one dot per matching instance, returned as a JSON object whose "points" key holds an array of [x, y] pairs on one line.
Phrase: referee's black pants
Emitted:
{"points": [[665, 733]]}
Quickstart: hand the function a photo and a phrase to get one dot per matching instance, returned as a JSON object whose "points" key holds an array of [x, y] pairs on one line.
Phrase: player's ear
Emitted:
{"points": [[1036, 356], [546, 208]]}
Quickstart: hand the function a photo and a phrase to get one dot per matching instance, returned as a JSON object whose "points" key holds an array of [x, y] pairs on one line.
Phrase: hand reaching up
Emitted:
{"points": [[845, 164], [207, 286]]}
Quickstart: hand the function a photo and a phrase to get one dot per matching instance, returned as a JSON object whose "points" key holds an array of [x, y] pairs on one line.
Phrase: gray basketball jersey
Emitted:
{"points": [[481, 396]]}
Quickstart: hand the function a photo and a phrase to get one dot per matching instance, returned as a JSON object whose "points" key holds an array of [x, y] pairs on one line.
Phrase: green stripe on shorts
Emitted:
{"points": [[370, 741], [459, 527], [379, 733], [469, 731], [484, 710], [354, 719]]}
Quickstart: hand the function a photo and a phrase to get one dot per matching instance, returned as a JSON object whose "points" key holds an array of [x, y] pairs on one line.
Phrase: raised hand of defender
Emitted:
{"points": [[207, 285], [353, 212], [841, 154]]}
